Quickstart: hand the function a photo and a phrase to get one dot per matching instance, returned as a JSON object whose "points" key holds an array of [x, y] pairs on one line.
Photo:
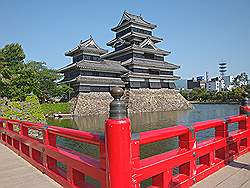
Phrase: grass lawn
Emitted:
{"points": [[54, 108]]}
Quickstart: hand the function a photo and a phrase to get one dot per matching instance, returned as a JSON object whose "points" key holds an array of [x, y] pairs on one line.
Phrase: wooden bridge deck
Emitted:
{"points": [[234, 175], [15, 172]]}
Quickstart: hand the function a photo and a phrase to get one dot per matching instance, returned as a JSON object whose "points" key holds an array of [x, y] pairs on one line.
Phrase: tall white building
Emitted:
{"points": [[228, 81], [213, 84], [216, 84]]}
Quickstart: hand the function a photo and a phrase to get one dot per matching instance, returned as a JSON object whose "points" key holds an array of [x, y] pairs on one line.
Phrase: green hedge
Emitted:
{"points": [[29, 110], [54, 108]]}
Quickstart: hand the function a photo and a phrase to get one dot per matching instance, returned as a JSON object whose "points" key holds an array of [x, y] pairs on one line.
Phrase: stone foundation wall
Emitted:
{"points": [[152, 100], [86, 104], [137, 100]]}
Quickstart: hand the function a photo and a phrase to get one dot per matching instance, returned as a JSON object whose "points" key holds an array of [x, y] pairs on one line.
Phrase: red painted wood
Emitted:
{"points": [[162, 134], [118, 147], [120, 163]]}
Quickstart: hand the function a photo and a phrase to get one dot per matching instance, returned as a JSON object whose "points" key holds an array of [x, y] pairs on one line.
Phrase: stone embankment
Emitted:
{"points": [[137, 100]]}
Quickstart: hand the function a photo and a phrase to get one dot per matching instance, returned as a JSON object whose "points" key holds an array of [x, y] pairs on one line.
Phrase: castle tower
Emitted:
{"points": [[88, 72], [135, 46]]}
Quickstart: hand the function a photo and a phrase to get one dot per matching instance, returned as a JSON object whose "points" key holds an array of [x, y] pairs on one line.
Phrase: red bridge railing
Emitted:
{"points": [[194, 160], [44, 152], [119, 163]]}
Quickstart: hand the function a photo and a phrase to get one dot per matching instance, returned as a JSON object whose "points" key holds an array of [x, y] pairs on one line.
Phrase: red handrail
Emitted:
{"points": [[120, 152], [211, 153], [199, 126], [88, 137], [162, 134], [45, 155]]}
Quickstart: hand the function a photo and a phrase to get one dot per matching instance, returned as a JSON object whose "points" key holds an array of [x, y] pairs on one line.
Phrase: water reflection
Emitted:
{"points": [[154, 120], [144, 122]]}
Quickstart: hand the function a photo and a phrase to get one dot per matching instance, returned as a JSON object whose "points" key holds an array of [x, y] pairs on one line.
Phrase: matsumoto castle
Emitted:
{"points": [[136, 61]]}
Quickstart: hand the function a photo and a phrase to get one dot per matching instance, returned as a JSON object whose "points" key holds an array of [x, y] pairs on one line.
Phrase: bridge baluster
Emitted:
{"points": [[118, 143], [23, 130], [120, 151], [50, 140]]}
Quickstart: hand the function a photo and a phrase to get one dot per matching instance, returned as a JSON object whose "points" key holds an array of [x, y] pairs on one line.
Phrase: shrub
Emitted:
{"points": [[53, 108], [29, 110]]}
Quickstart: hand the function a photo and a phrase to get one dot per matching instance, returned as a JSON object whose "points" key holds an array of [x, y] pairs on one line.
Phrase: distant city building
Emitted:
{"points": [[228, 82], [199, 82], [136, 61], [216, 84], [200, 78], [213, 84]]}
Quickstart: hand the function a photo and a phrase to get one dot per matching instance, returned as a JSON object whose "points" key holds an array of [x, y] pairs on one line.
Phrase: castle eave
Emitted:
{"points": [[133, 34], [67, 67], [99, 80], [119, 27], [150, 76], [105, 65], [150, 63], [93, 51], [128, 18], [135, 47]]}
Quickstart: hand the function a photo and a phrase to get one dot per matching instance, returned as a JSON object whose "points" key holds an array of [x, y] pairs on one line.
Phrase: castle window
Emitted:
{"points": [[139, 70], [141, 31], [123, 32], [154, 71], [166, 72], [149, 56], [77, 58], [92, 58], [159, 58]]}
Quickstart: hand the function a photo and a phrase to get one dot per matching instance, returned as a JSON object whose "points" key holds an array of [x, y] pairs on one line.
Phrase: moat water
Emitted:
{"points": [[154, 120], [148, 121]]}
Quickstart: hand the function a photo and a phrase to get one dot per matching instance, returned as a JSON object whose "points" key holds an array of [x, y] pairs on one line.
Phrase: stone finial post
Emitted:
{"points": [[117, 106], [118, 143]]}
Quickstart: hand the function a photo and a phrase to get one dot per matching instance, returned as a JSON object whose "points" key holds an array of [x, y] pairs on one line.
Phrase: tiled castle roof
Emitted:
{"points": [[131, 18], [87, 46], [102, 65], [150, 63]]}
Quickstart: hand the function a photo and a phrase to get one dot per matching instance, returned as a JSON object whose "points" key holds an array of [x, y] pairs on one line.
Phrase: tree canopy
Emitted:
{"points": [[12, 53], [240, 79], [201, 94], [19, 79]]}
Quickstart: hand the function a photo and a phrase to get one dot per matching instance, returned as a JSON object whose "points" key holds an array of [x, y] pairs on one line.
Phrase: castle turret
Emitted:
{"points": [[88, 72], [135, 46]]}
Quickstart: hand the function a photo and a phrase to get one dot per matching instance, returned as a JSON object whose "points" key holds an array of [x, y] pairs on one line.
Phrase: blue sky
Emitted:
{"points": [[198, 33]]}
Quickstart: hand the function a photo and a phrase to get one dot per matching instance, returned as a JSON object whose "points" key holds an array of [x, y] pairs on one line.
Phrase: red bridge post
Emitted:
{"points": [[245, 110], [118, 143]]}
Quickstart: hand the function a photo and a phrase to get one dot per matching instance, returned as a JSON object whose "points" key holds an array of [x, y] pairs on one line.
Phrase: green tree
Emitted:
{"points": [[47, 81], [237, 94], [19, 79], [20, 82], [185, 94], [12, 53], [240, 79], [199, 94]]}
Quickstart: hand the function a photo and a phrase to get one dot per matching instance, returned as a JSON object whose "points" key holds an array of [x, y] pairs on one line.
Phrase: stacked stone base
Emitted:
{"points": [[137, 100], [153, 100]]}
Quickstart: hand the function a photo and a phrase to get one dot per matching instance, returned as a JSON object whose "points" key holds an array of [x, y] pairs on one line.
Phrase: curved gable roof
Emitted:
{"points": [[131, 18], [88, 46]]}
